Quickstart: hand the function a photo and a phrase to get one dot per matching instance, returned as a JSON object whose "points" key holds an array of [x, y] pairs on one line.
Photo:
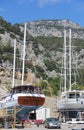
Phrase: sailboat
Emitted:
{"points": [[70, 100], [25, 98]]}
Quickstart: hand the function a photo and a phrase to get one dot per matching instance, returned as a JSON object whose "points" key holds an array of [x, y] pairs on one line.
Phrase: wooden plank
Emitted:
{"points": [[32, 101]]}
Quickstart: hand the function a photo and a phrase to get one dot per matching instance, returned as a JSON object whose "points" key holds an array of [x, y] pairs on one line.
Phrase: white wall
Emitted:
{"points": [[42, 113]]}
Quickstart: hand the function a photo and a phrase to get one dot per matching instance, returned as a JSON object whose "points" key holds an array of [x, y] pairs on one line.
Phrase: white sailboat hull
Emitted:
{"points": [[71, 100], [12, 100], [24, 103], [71, 104]]}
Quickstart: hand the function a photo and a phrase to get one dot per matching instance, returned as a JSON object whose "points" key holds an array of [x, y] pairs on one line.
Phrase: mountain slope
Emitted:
{"points": [[44, 52]]}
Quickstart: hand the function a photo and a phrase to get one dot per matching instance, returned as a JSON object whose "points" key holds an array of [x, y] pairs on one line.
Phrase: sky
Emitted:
{"points": [[20, 11]]}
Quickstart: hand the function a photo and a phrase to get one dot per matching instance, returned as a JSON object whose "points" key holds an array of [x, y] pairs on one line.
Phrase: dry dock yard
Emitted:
{"points": [[32, 126], [64, 126]]}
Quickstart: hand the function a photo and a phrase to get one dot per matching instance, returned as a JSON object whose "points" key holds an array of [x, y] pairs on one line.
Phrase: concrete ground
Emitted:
{"points": [[41, 127]]}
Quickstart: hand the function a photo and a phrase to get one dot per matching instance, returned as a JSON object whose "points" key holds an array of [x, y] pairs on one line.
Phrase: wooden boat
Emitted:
{"points": [[25, 98]]}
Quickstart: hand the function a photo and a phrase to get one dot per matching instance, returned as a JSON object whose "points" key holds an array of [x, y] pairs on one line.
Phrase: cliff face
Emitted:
{"points": [[40, 28], [44, 50], [54, 28]]}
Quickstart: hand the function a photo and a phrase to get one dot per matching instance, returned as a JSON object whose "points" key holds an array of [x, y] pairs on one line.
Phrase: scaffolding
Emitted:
{"points": [[8, 117]]}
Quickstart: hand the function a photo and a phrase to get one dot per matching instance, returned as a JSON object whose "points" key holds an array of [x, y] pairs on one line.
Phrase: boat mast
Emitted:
{"points": [[70, 59], [14, 60], [64, 60], [24, 53]]}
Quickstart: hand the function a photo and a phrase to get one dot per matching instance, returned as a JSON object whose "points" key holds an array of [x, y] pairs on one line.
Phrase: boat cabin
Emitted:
{"points": [[72, 95], [26, 89]]}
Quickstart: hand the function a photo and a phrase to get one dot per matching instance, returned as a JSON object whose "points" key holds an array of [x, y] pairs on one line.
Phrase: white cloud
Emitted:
{"points": [[43, 2]]}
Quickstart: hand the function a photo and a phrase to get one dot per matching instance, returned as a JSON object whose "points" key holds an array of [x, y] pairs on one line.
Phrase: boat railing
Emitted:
{"points": [[28, 91], [65, 102]]}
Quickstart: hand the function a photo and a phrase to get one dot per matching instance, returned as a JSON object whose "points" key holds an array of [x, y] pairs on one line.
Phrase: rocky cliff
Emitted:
{"points": [[44, 50]]}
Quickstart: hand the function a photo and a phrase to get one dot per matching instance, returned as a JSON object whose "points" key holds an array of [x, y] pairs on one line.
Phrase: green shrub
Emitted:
{"points": [[47, 92]]}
